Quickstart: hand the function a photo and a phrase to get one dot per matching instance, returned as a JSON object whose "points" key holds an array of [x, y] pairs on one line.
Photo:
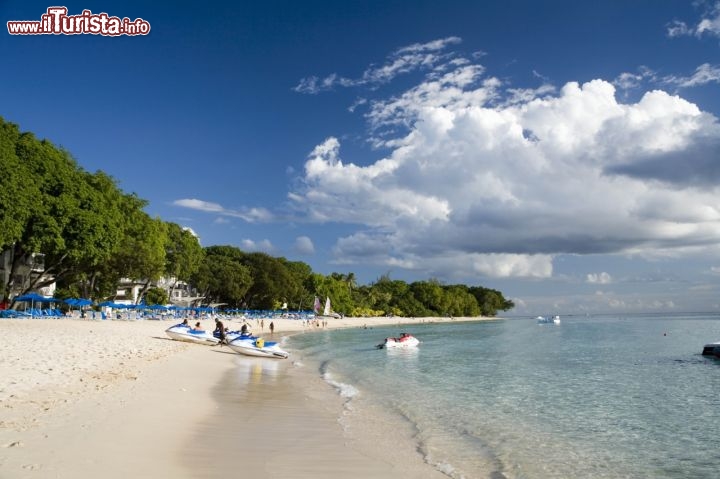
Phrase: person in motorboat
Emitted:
{"points": [[185, 322], [405, 340], [198, 327]]}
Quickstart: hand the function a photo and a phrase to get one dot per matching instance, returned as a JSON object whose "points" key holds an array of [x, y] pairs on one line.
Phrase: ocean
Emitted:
{"points": [[592, 397]]}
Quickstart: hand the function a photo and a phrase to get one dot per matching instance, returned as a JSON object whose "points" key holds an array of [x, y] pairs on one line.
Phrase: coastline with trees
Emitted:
{"points": [[90, 234]]}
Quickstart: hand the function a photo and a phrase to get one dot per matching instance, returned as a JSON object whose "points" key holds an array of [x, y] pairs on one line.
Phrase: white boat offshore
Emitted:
{"points": [[544, 320], [257, 347], [404, 341]]}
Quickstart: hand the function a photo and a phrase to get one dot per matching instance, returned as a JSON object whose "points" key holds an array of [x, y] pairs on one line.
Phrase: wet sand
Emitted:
{"points": [[280, 420]]}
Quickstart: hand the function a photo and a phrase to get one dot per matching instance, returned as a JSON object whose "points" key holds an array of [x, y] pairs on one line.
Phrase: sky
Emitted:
{"points": [[566, 153]]}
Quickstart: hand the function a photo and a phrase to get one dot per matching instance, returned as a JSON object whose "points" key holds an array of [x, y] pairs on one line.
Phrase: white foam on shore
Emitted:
{"points": [[347, 391]]}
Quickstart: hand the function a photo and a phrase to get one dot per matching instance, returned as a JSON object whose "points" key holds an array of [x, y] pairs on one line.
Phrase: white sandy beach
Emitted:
{"points": [[84, 398]]}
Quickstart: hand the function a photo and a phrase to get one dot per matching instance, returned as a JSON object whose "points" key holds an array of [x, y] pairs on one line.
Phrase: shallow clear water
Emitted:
{"points": [[593, 397]]}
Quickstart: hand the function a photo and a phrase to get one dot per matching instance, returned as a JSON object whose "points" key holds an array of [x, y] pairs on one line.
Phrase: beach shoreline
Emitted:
{"points": [[79, 397]]}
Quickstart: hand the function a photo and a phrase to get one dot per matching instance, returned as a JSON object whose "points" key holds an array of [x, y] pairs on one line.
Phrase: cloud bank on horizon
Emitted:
{"points": [[473, 177]]}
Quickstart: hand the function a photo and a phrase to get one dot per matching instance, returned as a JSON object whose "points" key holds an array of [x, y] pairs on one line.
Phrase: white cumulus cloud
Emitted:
{"points": [[264, 246], [482, 179], [304, 245]]}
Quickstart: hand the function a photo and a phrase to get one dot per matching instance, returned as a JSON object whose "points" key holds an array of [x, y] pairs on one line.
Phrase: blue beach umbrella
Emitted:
{"points": [[77, 302], [33, 298]]}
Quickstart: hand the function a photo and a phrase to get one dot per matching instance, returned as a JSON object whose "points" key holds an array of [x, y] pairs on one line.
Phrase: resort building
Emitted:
{"points": [[128, 291], [179, 293]]}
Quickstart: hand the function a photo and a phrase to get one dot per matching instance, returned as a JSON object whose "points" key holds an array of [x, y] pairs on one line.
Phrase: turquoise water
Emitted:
{"points": [[593, 397]]}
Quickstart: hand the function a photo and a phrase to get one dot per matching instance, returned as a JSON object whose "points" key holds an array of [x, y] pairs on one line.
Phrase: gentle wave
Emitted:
{"points": [[347, 391]]}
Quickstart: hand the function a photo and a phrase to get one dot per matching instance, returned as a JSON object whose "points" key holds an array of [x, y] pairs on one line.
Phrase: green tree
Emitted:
{"points": [[299, 296], [100, 200], [19, 190], [183, 254], [336, 288], [222, 279], [385, 294], [272, 280], [490, 301], [156, 296], [460, 302], [430, 294], [69, 220], [140, 255]]}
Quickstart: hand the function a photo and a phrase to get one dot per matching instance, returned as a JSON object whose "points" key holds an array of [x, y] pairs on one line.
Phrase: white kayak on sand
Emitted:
{"points": [[404, 341], [257, 347]]}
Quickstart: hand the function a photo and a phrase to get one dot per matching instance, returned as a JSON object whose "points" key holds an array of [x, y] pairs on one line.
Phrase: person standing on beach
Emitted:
{"points": [[220, 331], [272, 327]]}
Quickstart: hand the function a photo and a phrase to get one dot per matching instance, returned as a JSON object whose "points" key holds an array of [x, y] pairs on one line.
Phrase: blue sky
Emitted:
{"points": [[565, 153]]}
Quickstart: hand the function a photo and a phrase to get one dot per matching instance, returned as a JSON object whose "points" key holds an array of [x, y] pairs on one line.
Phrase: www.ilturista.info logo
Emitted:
{"points": [[57, 22]]}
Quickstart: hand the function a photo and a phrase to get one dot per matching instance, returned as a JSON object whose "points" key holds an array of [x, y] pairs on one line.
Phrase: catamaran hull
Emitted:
{"points": [[251, 348]]}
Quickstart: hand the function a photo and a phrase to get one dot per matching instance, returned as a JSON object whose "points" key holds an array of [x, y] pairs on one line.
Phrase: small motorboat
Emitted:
{"points": [[404, 341], [183, 332], [712, 349], [544, 320], [253, 346]]}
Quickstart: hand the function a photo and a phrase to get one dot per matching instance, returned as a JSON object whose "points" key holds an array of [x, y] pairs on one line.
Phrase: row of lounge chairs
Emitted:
{"points": [[32, 313]]}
